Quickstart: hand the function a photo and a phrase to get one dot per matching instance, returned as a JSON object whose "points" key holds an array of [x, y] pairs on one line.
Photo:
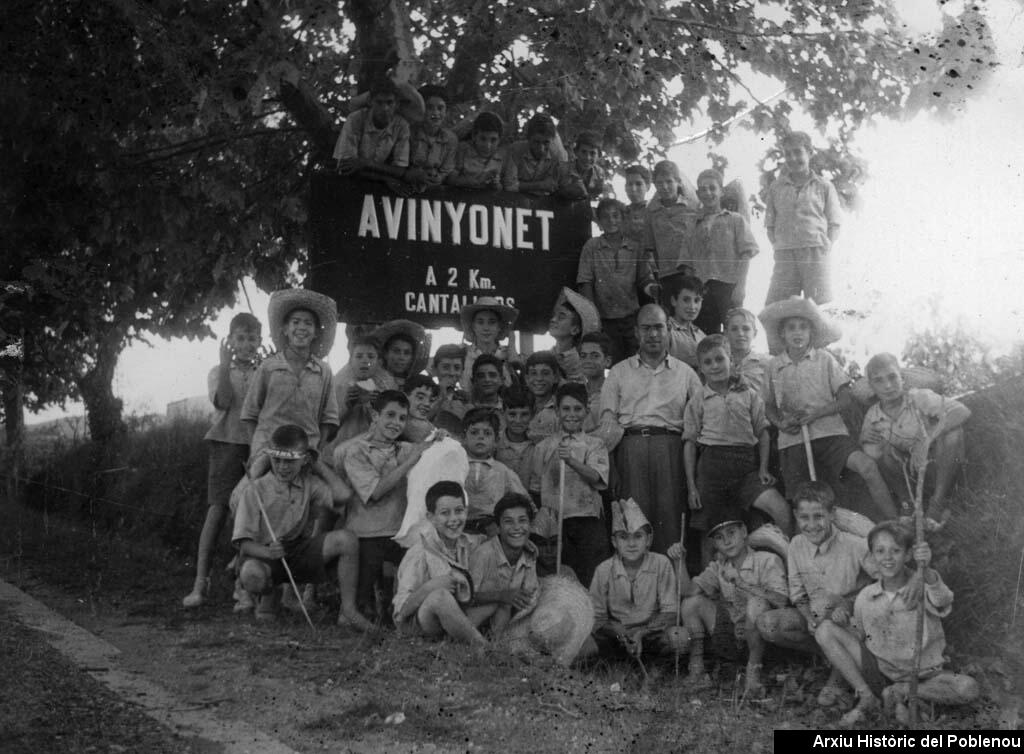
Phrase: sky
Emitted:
{"points": [[939, 236]]}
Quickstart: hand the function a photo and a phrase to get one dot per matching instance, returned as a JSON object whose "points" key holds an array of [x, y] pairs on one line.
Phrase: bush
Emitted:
{"points": [[153, 481]]}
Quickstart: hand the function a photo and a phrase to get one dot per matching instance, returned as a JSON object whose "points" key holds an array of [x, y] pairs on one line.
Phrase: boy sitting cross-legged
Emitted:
{"points": [[280, 516], [825, 569], [488, 480], [504, 568], [633, 592], [585, 474], [737, 586], [807, 390], [432, 582]]}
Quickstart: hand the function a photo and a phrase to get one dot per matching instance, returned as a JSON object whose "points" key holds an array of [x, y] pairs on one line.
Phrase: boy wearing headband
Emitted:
{"points": [[281, 516]]}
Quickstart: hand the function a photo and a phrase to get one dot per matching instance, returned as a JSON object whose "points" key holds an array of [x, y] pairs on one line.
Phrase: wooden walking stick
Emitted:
{"points": [[561, 515], [807, 450], [680, 572], [284, 562]]}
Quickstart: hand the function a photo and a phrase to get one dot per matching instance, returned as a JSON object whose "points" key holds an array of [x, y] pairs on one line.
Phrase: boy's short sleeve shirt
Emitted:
{"points": [[227, 425], [633, 602], [366, 462], [290, 506], [832, 567], [360, 138], [492, 572], [761, 569], [544, 423], [471, 164], [753, 371], [903, 430], [612, 268], [682, 341], [579, 498], [278, 396], [719, 247], [666, 229], [799, 215], [435, 153], [516, 455], [486, 483], [427, 559], [734, 418], [889, 628], [811, 382]]}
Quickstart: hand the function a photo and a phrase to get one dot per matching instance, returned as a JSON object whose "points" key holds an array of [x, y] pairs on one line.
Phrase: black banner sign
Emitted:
{"points": [[424, 257]]}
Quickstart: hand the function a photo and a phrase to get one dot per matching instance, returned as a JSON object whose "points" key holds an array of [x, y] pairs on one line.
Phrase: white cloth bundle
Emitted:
{"points": [[445, 460]]}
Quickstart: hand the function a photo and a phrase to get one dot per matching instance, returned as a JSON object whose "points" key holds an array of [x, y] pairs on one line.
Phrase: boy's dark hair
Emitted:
{"points": [[445, 488], [538, 358], [711, 173], [517, 398], [588, 139], [540, 124], [433, 90], [511, 501], [419, 380], [572, 390], [484, 359], [390, 396], [316, 318], [400, 336], [903, 535], [880, 361], [383, 86], [600, 339], [639, 170], [245, 321], [815, 492], [673, 285], [782, 323], [606, 204], [711, 342], [449, 351], [363, 340], [797, 139], [488, 123], [289, 436], [669, 168], [481, 415]]}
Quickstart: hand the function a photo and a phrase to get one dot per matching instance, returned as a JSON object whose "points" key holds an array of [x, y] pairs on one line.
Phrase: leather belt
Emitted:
{"points": [[651, 431]]}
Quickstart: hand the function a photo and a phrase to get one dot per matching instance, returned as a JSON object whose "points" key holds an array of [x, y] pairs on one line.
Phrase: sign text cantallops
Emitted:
{"points": [[383, 256]]}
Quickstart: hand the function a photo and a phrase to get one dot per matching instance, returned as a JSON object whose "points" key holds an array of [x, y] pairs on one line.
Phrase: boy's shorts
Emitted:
{"points": [[726, 475], [804, 270], [830, 457], [227, 467], [305, 559]]}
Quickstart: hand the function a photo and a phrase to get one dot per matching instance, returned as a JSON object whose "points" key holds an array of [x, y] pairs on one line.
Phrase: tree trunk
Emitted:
{"points": [[102, 407], [14, 434]]}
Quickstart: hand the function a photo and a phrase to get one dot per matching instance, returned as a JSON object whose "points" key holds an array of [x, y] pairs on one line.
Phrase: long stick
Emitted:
{"points": [[807, 450], [680, 570], [284, 562], [561, 515], [922, 464]]}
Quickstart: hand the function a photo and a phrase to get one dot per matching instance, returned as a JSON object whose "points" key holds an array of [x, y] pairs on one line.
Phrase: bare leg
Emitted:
{"points": [[698, 615], [775, 505], [756, 607], [843, 650], [860, 462], [207, 540], [440, 614], [949, 455], [344, 545]]}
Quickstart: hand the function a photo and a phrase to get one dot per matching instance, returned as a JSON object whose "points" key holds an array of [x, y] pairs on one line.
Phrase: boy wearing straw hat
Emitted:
{"points": [[807, 390], [294, 385], [485, 324], [280, 520], [736, 588], [573, 317], [405, 350], [634, 592], [573, 496]]}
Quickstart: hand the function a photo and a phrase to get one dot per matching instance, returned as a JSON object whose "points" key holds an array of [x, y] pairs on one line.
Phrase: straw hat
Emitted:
{"points": [[412, 332], [284, 302], [558, 625], [590, 320], [506, 313], [627, 516], [825, 331]]}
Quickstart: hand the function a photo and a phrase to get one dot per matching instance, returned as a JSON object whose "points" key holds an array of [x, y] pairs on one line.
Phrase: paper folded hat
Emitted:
{"points": [[627, 516], [825, 330], [284, 302]]}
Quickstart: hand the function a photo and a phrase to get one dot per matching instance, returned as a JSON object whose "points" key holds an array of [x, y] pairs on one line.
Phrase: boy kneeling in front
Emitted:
{"points": [[280, 517]]}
